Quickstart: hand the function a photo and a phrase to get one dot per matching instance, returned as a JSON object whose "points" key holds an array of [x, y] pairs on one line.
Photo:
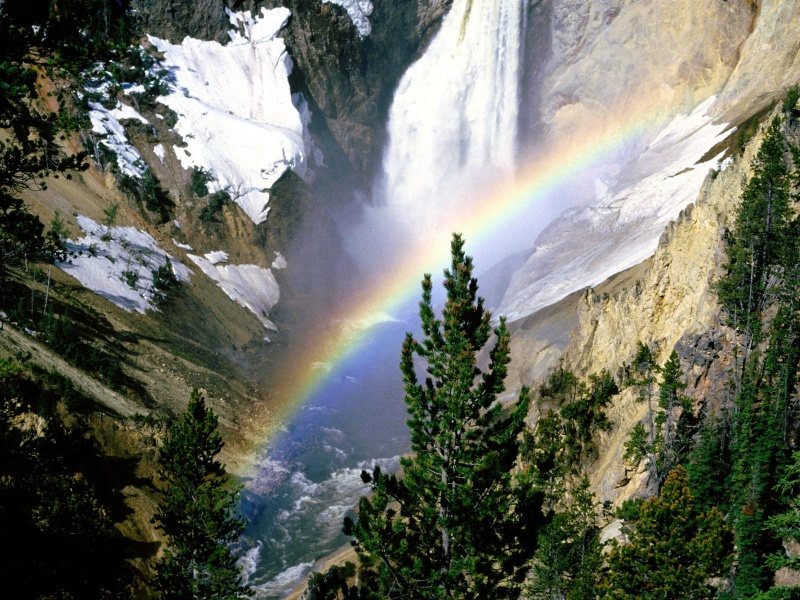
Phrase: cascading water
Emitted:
{"points": [[453, 125], [455, 111]]}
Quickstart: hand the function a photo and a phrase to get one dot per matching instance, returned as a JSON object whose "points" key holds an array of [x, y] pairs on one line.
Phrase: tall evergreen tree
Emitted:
{"points": [[671, 552], [455, 525], [198, 511], [568, 559], [664, 437], [710, 464], [758, 236]]}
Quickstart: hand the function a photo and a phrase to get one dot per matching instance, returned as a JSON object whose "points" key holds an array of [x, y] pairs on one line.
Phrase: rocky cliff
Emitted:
{"points": [[668, 303]]}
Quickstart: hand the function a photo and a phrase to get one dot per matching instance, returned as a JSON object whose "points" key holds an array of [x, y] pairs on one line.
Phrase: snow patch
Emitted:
{"points": [[179, 245], [585, 246], [279, 262], [358, 11], [217, 256], [118, 264], [160, 152], [107, 124], [250, 286], [236, 112]]}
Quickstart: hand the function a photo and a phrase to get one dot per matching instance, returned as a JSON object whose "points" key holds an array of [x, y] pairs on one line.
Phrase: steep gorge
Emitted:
{"points": [[587, 67]]}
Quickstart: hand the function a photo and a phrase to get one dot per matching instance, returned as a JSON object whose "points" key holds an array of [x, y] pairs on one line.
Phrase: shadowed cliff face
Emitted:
{"points": [[174, 20]]}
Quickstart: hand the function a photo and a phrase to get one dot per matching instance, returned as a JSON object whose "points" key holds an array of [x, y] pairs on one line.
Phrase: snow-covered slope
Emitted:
{"points": [[250, 286], [106, 124], [236, 113], [119, 263], [587, 245]]}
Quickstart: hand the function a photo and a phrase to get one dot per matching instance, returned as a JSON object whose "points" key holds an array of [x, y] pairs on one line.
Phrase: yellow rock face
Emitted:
{"points": [[611, 59], [671, 299]]}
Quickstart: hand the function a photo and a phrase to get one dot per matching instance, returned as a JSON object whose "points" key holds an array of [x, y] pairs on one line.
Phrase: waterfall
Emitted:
{"points": [[453, 122]]}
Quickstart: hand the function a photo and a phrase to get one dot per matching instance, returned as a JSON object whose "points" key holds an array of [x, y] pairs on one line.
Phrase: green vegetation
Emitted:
{"points": [[54, 503], [664, 437], [198, 511], [27, 155], [131, 278], [671, 550], [75, 33], [790, 108], [148, 191], [568, 558], [200, 180], [210, 212], [457, 524]]}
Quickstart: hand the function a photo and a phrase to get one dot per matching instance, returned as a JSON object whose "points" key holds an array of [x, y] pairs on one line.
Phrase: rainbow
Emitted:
{"points": [[314, 363]]}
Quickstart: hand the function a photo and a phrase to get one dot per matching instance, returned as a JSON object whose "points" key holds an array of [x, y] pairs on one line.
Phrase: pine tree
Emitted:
{"points": [[197, 512], [643, 442], [710, 464], [758, 237], [455, 525], [673, 416], [664, 438], [569, 556], [672, 550]]}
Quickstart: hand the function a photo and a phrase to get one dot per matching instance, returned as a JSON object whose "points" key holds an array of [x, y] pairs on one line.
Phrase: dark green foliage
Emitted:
{"points": [[148, 191], [335, 584], [66, 337], [564, 438], [547, 456], [568, 559], [786, 525], [110, 215], [62, 335], [760, 232], [138, 69], [710, 465], [672, 550], [643, 442], [76, 32], [586, 415], [455, 525], [200, 180], [758, 452], [64, 543], [790, 104], [562, 386], [164, 281], [198, 511], [27, 155], [778, 593], [131, 278], [748, 444], [674, 418], [210, 212], [664, 438]]}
